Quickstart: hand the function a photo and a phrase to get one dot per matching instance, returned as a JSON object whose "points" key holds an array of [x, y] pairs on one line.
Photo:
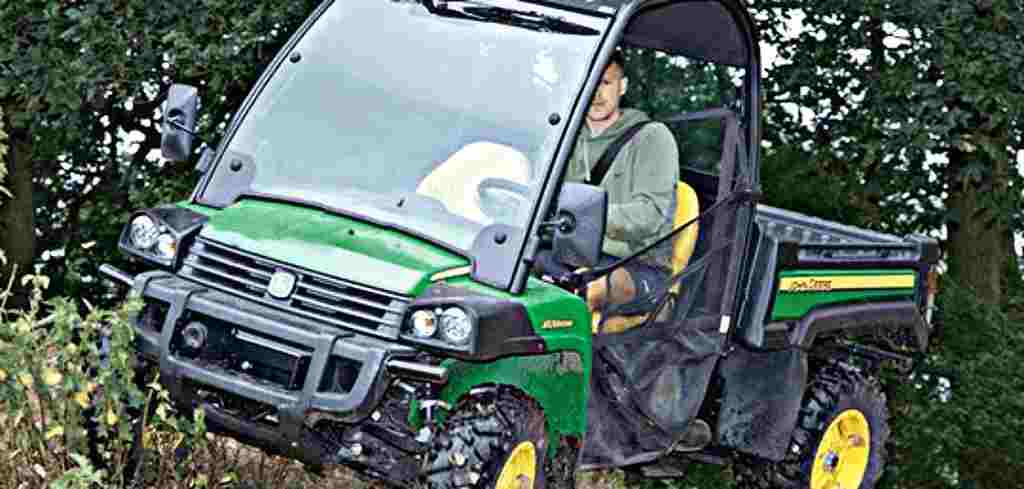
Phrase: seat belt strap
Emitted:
{"points": [[605, 163]]}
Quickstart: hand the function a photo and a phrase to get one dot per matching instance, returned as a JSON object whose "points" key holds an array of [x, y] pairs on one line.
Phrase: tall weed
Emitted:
{"points": [[71, 403]]}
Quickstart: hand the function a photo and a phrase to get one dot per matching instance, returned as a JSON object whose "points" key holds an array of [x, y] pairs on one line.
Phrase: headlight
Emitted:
{"points": [[166, 246], [144, 232], [159, 235], [456, 326], [424, 323]]}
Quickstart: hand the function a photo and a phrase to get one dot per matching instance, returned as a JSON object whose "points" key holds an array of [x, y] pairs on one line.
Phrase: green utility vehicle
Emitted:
{"points": [[353, 281]]}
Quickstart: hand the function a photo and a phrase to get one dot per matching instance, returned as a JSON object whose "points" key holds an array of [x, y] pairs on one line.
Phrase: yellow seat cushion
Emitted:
{"points": [[456, 181], [687, 209]]}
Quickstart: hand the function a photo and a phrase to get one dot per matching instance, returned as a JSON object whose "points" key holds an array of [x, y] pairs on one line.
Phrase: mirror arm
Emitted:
{"points": [[563, 223], [181, 127]]}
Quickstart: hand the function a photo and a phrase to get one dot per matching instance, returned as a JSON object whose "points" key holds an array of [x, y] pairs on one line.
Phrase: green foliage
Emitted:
{"points": [[873, 91], [84, 81], [55, 380], [964, 432]]}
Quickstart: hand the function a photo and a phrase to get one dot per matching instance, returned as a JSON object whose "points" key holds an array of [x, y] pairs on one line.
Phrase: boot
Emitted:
{"points": [[697, 436]]}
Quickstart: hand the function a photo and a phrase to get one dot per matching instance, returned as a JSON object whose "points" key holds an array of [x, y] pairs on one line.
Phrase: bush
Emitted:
{"points": [[69, 411], [959, 423], [58, 382]]}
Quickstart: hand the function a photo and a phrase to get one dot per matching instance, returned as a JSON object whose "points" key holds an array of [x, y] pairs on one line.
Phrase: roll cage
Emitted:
{"points": [[719, 31]]}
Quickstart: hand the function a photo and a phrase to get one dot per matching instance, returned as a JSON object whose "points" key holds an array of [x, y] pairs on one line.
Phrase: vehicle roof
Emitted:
{"points": [[719, 31]]}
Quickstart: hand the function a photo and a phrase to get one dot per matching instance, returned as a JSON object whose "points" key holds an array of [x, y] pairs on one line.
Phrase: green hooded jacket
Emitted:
{"points": [[641, 182]]}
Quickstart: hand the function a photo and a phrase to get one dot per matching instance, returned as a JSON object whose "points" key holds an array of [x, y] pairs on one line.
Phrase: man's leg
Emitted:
{"points": [[634, 288], [639, 287], [614, 289]]}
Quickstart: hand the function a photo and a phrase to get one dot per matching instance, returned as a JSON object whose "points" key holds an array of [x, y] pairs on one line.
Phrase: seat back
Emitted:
{"points": [[683, 246], [456, 181], [687, 209]]}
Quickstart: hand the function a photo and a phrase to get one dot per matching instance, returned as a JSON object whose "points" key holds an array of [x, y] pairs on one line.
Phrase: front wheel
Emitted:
{"points": [[494, 439], [839, 441]]}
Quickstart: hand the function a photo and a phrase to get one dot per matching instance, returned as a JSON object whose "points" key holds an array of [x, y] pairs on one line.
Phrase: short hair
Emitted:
{"points": [[618, 59]]}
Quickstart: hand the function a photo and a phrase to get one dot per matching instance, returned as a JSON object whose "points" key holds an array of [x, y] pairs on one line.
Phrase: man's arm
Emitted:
{"points": [[655, 168]]}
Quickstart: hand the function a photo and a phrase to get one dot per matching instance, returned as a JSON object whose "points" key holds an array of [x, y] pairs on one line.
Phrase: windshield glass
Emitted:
{"points": [[438, 118]]}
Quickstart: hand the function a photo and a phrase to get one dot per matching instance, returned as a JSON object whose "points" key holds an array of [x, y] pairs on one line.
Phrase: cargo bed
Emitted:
{"points": [[803, 264]]}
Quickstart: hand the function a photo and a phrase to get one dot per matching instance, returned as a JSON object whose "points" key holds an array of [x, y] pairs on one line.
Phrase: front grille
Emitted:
{"points": [[315, 296]]}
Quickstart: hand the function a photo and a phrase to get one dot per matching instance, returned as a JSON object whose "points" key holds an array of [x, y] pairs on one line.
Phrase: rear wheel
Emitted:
{"points": [[493, 439], [839, 441]]}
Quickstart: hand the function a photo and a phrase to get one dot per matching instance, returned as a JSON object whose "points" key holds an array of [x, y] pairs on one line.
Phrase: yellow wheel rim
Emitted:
{"points": [[521, 468], [842, 457]]}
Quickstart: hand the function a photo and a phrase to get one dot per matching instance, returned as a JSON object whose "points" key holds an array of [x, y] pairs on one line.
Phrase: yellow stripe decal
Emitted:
{"points": [[451, 272], [826, 283]]}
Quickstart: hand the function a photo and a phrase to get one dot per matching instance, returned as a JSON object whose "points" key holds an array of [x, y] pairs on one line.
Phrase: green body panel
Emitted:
{"points": [[852, 286], [330, 244], [559, 384], [367, 254]]}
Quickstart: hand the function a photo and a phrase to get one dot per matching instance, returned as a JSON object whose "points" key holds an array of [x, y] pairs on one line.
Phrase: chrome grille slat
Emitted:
{"points": [[294, 310], [335, 283], [209, 256], [228, 276], [204, 244], [349, 312], [357, 300], [333, 301]]}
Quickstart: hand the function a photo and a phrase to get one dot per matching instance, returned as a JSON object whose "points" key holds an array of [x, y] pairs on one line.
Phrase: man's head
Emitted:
{"points": [[605, 104]]}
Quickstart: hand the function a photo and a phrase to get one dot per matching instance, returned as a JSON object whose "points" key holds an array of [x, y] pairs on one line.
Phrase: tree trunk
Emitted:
{"points": [[17, 216], [977, 246]]}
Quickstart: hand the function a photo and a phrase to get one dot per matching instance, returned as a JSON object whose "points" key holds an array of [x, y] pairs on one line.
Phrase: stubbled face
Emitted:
{"points": [[609, 92]]}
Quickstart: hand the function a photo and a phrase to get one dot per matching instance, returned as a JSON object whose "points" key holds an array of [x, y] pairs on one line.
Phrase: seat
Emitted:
{"points": [[456, 181], [687, 209]]}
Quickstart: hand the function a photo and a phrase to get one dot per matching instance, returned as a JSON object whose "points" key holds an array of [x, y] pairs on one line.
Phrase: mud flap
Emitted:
{"points": [[761, 397]]}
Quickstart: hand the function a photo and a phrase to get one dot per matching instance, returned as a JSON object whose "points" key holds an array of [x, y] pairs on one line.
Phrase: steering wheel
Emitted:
{"points": [[503, 199]]}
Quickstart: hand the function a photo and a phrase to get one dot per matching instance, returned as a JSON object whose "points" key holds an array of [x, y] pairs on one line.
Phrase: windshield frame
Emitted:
{"points": [[500, 275]]}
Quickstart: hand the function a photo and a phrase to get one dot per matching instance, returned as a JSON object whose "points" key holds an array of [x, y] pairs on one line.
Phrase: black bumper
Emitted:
{"points": [[296, 408]]}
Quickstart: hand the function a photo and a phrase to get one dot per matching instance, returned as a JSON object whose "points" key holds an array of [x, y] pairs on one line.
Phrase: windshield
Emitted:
{"points": [[437, 118]]}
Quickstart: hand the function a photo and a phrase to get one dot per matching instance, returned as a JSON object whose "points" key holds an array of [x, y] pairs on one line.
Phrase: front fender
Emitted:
{"points": [[558, 379]]}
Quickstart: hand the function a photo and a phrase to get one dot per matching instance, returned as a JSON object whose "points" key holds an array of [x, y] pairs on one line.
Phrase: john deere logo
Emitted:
{"points": [[281, 284]]}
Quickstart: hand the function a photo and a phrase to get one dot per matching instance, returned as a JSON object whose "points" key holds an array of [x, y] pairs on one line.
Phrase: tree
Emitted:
{"points": [[912, 111], [907, 117], [82, 83]]}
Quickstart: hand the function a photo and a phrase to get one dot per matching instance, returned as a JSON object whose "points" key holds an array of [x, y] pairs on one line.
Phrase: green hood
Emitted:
{"points": [[329, 244]]}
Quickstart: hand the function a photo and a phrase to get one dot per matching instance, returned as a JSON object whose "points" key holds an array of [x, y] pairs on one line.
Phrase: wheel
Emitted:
{"points": [[493, 439], [839, 441]]}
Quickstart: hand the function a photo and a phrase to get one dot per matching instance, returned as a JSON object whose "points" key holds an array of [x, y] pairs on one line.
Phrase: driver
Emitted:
{"points": [[641, 184]]}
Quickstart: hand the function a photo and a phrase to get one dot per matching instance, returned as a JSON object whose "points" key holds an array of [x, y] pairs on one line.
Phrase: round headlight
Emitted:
{"points": [[166, 246], [456, 325], [424, 324], [144, 232]]}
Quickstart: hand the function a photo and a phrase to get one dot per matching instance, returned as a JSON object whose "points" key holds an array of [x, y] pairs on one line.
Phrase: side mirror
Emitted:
{"points": [[579, 224], [179, 122]]}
